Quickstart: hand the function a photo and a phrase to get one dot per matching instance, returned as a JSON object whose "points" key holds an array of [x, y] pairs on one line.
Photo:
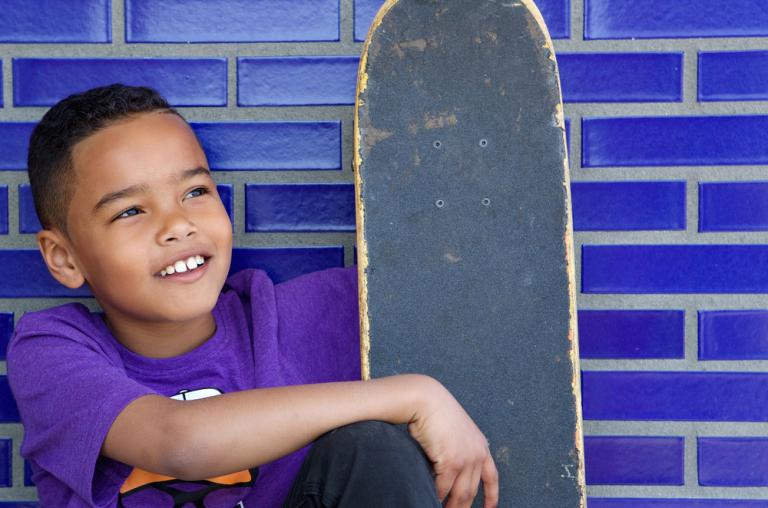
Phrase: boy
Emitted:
{"points": [[184, 393]]}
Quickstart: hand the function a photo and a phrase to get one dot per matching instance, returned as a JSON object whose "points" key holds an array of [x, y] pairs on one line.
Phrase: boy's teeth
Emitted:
{"points": [[192, 262], [184, 265]]}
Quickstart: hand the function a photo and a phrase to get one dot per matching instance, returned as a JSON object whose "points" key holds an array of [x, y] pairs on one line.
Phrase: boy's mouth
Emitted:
{"points": [[183, 265]]}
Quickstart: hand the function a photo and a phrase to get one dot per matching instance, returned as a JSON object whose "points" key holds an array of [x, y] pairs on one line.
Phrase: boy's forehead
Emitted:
{"points": [[129, 150]]}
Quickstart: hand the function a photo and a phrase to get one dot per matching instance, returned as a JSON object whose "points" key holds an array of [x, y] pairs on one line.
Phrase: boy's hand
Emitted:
{"points": [[458, 450]]}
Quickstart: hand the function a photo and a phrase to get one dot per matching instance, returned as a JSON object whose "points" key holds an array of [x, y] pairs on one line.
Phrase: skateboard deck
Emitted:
{"points": [[464, 230]]}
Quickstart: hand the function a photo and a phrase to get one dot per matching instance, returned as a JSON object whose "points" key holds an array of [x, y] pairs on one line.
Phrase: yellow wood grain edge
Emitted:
{"points": [[362, 244], [570, 265]]}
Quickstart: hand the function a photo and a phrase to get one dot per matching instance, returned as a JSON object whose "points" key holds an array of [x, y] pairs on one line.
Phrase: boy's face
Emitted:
{"points": [[144, 200]]}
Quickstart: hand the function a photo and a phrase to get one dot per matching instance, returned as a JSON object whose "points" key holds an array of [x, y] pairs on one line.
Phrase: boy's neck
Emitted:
{"points": [[162, 340]]}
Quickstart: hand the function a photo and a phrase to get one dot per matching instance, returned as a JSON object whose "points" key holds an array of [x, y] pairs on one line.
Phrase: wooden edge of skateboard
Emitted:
{"points": [[569, 261], [362, 244]]}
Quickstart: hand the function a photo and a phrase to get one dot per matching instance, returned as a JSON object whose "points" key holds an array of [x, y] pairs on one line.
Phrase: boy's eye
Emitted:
{"points": [[197, 192], [128, 213]]}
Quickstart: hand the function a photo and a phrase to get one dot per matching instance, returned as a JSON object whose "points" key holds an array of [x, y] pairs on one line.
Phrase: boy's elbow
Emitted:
{"points": [[187, 449]]}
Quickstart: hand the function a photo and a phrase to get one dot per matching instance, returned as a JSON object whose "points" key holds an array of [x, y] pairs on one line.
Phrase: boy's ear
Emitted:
{"points": [[58, 255]]}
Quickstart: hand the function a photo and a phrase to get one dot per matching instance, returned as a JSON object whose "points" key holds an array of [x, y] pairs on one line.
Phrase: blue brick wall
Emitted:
{"points": [[668, 136], [634, 460]]}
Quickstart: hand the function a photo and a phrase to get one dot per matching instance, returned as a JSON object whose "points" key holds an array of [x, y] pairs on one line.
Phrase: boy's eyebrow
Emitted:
{"points": [[136, 189]]}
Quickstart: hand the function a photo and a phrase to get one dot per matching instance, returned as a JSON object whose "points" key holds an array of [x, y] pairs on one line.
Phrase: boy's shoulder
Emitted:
{"points": [[252, 283], [72, 320]]}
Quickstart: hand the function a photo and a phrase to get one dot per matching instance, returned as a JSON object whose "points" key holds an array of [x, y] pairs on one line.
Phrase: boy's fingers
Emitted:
{"points": [[463, 490], [490, 477], [444, 482]]}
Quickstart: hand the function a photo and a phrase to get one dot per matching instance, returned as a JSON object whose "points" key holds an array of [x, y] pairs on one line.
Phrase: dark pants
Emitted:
{"points": [[365, 465]]}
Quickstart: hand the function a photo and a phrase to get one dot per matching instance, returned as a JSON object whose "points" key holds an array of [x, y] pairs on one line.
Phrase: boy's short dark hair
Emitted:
{"points": [[71, 120]]}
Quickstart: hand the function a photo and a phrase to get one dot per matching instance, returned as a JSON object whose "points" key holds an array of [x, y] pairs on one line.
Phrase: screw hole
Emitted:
{"points": [[439, 203], [437, 143], [486, 202], [483, 143]]}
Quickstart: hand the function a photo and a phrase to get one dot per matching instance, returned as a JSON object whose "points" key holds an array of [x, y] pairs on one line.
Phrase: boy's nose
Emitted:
{"points": [[176, 226]]}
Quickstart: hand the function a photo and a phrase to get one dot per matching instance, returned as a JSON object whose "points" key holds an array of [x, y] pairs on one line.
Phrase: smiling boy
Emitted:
{"points": [[191, 388]]}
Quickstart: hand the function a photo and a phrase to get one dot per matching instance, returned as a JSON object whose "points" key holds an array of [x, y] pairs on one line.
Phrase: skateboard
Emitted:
{"points": [[464, 235]]}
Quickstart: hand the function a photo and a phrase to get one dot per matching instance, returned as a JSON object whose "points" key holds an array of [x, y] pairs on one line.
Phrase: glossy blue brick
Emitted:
{"points": [[621, 77], [733, 76], [675, 141], [6, 465], [680, 396], [296, 81], [733, 335], [28, 475], [632, 334], [3, 209], [365, 11], [14, 143], [733, 206], [282, 264], [556, 13], [227, 198], [674, 269], [597, 502], [6, 329], [633, 460], [9, 412], [231, 20], [733, 462], [28, 221], [628, 206], [24, 274], [299, 207], [644, 19], [183, 82], [271, 145], [56, 21]]}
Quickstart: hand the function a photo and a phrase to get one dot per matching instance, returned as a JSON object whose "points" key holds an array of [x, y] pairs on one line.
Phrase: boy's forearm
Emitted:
{"points": [[239, 430]]}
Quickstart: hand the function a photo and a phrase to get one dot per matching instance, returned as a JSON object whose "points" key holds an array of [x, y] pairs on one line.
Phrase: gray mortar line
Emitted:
{"points": [[690, 460], [347, 22], [118, 24], [677, 492], [691, 337], [730, 301], [7, 82], [577, 21], [633, 365], [671, 237], [692, 205], [690, 77]]}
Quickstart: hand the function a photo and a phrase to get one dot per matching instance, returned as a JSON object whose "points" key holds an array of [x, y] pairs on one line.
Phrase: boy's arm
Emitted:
{"points": [[218, 435]]}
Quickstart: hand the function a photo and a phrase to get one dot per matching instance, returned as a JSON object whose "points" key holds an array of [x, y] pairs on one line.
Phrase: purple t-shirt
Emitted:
{"points": [[71, 379]]}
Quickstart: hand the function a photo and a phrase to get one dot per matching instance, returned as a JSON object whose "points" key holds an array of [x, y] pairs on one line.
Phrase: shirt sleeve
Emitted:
{"points": [[319, 327], [69, 389]]}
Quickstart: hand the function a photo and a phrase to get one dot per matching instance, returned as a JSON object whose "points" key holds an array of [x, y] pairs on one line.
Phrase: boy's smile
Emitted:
{"points": [[148, 233]]}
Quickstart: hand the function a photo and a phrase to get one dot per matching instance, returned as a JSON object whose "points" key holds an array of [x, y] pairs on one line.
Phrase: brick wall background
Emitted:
{"points": [[666, 102]]}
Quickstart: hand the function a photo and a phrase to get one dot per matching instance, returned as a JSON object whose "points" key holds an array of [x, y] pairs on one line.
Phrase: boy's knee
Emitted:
{"points": [[372, 438], [366, 432]]}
